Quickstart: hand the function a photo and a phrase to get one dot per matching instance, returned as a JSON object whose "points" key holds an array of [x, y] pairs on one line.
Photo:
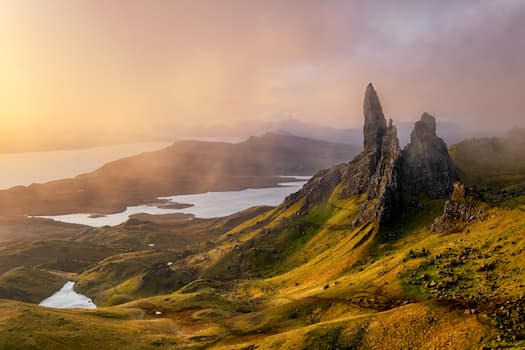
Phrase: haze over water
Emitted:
{"points": [[39, 167]]}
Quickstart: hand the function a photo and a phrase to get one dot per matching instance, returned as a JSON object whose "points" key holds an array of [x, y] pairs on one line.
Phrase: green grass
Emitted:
{"points": [[325, 284], [118, 274], [29, 284], [67, 256]]}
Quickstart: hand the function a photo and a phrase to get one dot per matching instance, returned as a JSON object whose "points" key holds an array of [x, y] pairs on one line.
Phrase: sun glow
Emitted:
{"points": [[156, 70]]}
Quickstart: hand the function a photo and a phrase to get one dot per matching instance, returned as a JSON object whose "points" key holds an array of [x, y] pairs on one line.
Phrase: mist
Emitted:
{"points": [[81, 74]]}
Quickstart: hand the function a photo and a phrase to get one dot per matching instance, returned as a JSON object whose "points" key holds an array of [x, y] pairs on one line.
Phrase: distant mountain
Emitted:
{"points": [[183, 168], [318, 132], [78, 139], [492, 161], [450, 132]]}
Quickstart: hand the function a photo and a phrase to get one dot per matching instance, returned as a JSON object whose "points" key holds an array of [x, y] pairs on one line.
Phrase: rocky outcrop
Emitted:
{"points": [[382, 172], [382, 194], [427, 167], [463, 207], [374, 172]]}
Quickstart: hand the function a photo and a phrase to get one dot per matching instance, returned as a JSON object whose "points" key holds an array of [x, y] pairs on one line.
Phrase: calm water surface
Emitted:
{"points": [[205, 205], [67, 298]]}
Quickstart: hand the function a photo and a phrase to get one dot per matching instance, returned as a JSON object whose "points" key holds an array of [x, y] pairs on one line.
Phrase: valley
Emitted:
{"points": [[262, 175], [387, 250]]}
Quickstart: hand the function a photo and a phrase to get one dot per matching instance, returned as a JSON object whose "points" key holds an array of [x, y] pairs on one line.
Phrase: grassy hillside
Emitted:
{"points": [[22, 228], [284, 278], [67, 256], [496, 162], [30, 284], [101, 259]]}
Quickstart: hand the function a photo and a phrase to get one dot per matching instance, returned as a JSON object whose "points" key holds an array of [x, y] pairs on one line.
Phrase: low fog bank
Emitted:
{"points": [[451, 131]]}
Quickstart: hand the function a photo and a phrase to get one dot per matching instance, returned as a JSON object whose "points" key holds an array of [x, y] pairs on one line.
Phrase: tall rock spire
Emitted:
{"points": [[375, 123], [372, 174], [386, 178]]}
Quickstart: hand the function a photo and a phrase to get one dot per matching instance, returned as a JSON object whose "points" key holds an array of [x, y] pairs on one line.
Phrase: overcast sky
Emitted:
{"points": [[162, 65]]}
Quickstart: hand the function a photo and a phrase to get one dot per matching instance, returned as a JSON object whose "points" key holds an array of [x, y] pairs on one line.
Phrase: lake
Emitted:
{"points": [[67, 298], [205, 205]]}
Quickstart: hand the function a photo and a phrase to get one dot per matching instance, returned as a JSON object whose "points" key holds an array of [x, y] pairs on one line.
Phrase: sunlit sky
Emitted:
{"points": [[72, 67]]}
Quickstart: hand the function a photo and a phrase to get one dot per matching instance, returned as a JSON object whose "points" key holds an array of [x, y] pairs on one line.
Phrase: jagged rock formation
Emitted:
{"points": [[382, 193], [382, 171], [375, 123], [464, 206], [427, 167], [374, 172]]}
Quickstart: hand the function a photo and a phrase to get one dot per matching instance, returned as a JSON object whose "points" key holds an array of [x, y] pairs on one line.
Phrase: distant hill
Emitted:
{"points": [[450, 132], [183, 168], [495, 161], [74, 139]]}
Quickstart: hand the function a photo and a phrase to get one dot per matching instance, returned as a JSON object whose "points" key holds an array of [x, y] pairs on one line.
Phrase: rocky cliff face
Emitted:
{"points": [[374, 172], [427, 167], [384, 173], [382, 190]]}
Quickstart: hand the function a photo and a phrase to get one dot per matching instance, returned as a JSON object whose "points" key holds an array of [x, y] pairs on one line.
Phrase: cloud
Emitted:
{"points": [[162, 65]]}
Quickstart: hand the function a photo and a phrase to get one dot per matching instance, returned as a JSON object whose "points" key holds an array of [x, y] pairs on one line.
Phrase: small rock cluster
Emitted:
{"points": [[453, 277], [450, 273], [414, 254], [509, 318], [463, 207]]}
